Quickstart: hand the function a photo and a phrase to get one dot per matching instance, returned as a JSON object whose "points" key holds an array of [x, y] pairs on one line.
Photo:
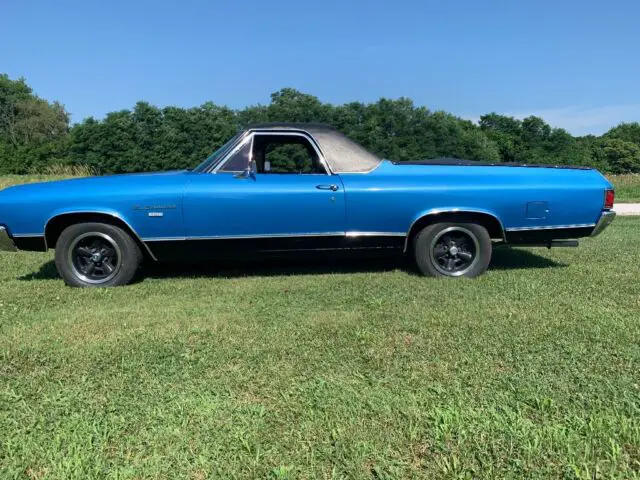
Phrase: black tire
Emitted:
{"points": [[452, 249], [97, 255]]}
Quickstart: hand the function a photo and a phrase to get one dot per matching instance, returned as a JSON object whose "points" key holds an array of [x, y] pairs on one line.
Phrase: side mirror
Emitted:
{"points": [[249, 172]]}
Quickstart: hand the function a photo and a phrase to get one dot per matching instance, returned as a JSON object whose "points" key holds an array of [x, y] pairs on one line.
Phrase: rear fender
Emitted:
{"points": [[491, 220]]}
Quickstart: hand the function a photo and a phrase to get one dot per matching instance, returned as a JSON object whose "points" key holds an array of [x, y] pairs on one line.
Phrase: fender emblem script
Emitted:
{"points": [[154, 207]]}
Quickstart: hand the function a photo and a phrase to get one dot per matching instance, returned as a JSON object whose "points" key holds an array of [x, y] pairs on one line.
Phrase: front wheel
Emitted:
{"points": [[96, 255], [453, 250]]}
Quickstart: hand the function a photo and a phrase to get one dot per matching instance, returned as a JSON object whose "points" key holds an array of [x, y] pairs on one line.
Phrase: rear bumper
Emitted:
{"points": [[6, 244], [605, 220]]}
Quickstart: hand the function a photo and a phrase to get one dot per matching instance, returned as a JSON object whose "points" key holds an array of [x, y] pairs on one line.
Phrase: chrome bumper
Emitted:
{"points": [[6, 244], [605, 220]]}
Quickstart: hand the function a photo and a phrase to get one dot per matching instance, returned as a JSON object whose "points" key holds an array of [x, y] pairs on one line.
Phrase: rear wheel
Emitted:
{"points": [[453, 250], [96, 255]]}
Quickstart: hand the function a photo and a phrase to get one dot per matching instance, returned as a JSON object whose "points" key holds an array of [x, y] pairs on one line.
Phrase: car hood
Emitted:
{"points": [[114, 183]]}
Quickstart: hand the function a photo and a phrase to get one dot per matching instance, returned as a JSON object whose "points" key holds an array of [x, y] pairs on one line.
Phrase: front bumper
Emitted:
{"points": [[605, 220], [6, 244]]}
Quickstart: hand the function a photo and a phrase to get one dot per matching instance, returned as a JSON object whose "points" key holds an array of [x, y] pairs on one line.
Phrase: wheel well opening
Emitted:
{"points": [[56, 226], [491, 223]]}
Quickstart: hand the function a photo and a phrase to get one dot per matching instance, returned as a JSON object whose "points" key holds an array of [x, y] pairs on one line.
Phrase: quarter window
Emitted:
{"points": [[239, 160]]}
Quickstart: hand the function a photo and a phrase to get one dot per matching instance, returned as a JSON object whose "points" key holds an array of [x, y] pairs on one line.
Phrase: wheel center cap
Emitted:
{"points": [[96, 257], [453, 250]]}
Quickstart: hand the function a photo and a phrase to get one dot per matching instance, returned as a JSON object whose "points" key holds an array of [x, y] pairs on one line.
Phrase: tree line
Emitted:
{"points": [[36, 134]]}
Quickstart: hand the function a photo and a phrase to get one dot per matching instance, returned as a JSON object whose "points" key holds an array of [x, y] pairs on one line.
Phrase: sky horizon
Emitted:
{"points": [[572, 64]]}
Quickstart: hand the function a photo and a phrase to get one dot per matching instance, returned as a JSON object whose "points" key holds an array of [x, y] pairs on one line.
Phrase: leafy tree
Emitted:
{"points": [[35, 134], [506, 133], [12, 93], [290, 105], [149, 138], [29, 128], [629, 132], [532, 140], [397, 130], [619, 156]]}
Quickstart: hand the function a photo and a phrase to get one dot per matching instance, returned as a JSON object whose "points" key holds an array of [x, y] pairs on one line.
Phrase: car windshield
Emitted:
{"points": [[215, 156]]}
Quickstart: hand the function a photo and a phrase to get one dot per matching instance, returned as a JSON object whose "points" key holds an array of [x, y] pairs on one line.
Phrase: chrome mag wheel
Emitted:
{"points": [[454, 251], [94, 257]]}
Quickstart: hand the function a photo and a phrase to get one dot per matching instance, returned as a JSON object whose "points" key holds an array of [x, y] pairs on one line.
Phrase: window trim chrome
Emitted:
{"points": [[250, 137]]}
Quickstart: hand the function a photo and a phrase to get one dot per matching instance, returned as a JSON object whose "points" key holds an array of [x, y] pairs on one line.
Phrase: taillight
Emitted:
{"points": [[609, 197]]}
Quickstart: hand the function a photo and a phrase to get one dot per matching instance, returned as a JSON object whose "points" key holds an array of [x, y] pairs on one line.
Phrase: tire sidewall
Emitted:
{"points": [[129, 250], [422, 249]]}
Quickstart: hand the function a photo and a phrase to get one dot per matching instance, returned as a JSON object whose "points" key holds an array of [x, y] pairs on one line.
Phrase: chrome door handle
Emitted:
{"points": [[333, 188]]}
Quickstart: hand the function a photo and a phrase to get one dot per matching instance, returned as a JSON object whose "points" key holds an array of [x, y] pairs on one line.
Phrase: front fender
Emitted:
{"points": [[89, 210], [146, 221], [53, 227], [149, 204]]}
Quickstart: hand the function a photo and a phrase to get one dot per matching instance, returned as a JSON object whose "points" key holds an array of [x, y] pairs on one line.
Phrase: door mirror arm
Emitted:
{"points": [[249, 172]]}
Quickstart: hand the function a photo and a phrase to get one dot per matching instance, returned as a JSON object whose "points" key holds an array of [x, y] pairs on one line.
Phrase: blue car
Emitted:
{"points": [[301, 188]]}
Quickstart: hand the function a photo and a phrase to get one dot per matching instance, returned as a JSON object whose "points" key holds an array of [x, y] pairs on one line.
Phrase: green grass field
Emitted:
{"points": [[8, 180], [356, 370], [627, 187]]}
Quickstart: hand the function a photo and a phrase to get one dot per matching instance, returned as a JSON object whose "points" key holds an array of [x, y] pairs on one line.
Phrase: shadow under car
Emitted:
{"points": [[503, 258]]}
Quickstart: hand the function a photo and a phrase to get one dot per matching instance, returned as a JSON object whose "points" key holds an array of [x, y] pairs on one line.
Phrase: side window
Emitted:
{"points": [[285, 154], [239, 160], [287, 158]]}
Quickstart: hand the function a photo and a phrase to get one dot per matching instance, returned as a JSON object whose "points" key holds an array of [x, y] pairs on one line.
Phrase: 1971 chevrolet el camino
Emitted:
{"points": [[292, 188]]}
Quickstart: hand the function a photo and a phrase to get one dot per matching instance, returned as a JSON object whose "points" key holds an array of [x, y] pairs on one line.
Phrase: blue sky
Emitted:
{"points": [[576, 63]]}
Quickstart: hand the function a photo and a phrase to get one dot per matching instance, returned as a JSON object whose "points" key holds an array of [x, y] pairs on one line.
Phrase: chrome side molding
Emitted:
{"points": [[551, 227]]}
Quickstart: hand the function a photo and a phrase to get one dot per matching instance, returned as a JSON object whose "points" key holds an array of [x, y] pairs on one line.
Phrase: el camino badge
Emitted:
{"points": [[154, 207]]}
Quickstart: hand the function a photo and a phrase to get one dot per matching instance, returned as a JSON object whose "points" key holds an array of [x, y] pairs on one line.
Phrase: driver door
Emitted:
{"points": [[267, 194]]}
